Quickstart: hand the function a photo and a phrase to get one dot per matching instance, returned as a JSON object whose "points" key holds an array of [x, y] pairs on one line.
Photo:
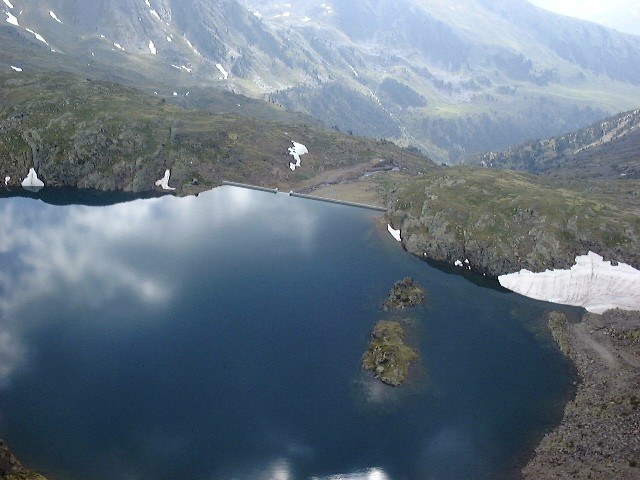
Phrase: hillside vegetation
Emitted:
{"points": [[96, 134], [503, 221]]}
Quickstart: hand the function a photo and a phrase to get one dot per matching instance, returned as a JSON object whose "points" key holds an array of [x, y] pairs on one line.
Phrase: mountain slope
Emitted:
{"points": [[96, 134], [606, 149], [452, 78]]}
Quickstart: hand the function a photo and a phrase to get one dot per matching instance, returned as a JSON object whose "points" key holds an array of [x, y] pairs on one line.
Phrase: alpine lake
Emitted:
{"points": [[220, 337]]}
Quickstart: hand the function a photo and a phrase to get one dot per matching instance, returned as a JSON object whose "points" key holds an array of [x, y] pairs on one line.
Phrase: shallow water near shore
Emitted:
{"points": [[220, 337]]}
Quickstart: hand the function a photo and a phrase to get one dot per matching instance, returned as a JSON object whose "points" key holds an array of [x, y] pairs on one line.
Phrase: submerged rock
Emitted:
{"points": [[387, 356], [405, 293]]}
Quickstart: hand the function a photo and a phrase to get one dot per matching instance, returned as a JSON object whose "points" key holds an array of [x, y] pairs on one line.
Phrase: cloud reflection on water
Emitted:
{"points": [[85, 255]]}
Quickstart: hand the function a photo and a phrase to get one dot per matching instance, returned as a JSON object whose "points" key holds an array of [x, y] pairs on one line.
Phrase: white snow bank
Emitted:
{"points": [[32, 180], [152, 48], [118, 46], [295, 151], [6, 180], [164, 181], [8, 3], [154, 13], [458, 263], [54, 16], [591, 283], [394, 233], [224, 73], [12, 19], [17, 69]]}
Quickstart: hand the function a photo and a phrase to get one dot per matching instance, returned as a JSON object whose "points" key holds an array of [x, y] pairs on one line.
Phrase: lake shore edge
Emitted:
{"points": [[599, 434]]}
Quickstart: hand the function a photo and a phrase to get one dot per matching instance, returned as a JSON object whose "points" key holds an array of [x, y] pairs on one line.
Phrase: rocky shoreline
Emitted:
{"points": [[499, 222], [12, 469], [599, 435]]}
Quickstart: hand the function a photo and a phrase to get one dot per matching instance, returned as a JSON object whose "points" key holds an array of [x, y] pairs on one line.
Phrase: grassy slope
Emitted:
{"points": [[83, 133], [503, 221]]}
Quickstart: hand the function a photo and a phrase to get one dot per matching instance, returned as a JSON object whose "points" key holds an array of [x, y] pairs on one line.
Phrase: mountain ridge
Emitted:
{"points": [[609, 148], [485, 74]]}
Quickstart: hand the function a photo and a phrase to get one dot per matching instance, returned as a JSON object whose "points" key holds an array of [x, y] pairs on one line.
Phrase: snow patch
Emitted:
{"points": [[394, 233], [591, 283], [118, 46], [17, 69], [54, 16], [152, 48], [295, 151], [191, 46], [182, 67], [12, 19], [147, 3], [169, 39], [8, 3], [37, 35], [458, 263], [6, 180], [154, 13], [164, 181], [32, 180], [224, 73]]}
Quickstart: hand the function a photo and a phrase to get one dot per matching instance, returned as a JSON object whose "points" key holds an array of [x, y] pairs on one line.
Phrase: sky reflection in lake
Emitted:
{"points": [[220, 336]]}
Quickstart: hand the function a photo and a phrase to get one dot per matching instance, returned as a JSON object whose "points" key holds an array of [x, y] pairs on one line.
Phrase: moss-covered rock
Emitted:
{"points": [[387, 356], [405, 293]]}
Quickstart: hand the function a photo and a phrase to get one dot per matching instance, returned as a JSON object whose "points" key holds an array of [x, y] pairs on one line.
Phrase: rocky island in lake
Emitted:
{"points": [[387, 356], [405, 293]]}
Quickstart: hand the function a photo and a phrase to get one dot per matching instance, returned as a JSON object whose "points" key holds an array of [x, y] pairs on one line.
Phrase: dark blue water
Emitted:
{"points": [[220, 337]]}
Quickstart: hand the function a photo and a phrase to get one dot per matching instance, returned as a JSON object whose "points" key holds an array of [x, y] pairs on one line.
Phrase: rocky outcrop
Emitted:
{"points": [[405, 293], [503, 221], [387, 356], [12, 469], [557, 323]]}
